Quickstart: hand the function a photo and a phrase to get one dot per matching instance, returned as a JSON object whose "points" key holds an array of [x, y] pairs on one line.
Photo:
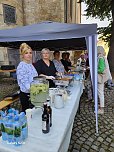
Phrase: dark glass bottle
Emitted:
{"points": [[45, 120], [49, 109]]}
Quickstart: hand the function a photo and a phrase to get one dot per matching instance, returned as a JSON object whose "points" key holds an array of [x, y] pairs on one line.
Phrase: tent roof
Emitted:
{"points": [[48, 34]]}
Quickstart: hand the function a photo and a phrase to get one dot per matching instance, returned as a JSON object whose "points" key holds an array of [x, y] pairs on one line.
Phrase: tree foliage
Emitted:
{"points": [[101, 9]]}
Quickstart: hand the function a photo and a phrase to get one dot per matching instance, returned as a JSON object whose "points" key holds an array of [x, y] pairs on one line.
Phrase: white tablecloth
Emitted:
{"points": [[57, 140]]}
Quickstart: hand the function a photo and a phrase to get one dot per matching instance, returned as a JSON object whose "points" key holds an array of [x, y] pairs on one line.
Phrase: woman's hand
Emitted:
{"points": [[50, 77]]}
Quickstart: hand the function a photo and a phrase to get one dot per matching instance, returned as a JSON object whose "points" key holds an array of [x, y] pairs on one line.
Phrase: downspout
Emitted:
{"points": [[23, 13], [65, 11]]}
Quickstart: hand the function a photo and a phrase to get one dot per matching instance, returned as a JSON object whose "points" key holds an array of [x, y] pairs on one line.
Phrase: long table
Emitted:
{"points": [[58, 139]]}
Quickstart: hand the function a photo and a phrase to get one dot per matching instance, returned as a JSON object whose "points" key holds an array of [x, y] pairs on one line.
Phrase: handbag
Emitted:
{"points": [[103, 77]]}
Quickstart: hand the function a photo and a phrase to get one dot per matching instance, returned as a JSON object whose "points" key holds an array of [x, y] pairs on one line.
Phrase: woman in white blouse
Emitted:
{"points": [[25, 74]]}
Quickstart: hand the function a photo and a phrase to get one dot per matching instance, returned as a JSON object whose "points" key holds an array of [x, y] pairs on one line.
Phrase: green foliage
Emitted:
{"points": [[105, 33], [101, 9]]}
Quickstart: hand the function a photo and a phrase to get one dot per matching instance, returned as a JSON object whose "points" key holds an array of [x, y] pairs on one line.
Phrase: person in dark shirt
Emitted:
{"points": [[64, 62], [45, 67], [68, 59]]}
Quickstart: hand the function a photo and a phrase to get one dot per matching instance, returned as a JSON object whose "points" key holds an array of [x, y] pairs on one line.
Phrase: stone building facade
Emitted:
{"points": [[15, 13], [52, 10], [8, 7]]}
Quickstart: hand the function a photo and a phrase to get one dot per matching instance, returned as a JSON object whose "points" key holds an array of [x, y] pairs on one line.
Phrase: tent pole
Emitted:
{"points": [[95, 73], [91, 42]]}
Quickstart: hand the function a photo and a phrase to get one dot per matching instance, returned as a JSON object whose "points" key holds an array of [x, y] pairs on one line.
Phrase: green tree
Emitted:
{"points": [[102, 9]]}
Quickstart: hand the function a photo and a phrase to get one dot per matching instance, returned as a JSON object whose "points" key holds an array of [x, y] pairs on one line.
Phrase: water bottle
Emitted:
{"points": [[16, 112], [17, 131], [23, 121], [2, 122], [9, 129], [13, 112]]}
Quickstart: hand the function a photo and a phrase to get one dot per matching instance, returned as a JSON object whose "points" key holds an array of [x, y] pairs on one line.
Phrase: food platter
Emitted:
{"points": [[64, 81]]}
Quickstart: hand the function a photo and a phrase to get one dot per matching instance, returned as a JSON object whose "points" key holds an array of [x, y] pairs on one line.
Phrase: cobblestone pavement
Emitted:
{"points": [[84, 137]]}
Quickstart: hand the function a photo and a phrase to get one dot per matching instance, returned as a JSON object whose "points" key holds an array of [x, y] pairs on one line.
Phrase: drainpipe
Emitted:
{"points": [[23, 12], [65, 11]]}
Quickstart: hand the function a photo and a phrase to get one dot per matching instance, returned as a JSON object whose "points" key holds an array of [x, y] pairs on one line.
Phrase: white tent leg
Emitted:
{"points": [[92, 50]]}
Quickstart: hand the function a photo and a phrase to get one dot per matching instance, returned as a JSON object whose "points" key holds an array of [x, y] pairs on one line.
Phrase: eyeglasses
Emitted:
{"points": [[45, 53]]}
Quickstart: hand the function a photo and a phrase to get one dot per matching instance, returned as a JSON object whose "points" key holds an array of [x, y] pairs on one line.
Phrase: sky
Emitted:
{"points": [[84, 19]]}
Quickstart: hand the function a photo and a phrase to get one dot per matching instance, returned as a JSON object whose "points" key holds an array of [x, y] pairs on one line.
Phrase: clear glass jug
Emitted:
{"points": [[39, 91]]}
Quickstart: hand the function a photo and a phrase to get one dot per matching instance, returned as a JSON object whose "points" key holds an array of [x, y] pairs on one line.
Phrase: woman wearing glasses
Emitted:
{"points": [[45, 67]]}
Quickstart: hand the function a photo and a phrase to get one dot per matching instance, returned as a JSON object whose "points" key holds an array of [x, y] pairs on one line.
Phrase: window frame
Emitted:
{"points": [[4, 14]]}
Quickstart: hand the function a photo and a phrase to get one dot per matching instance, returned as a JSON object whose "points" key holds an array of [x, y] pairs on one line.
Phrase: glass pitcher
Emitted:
{"points": [[39, 91]]}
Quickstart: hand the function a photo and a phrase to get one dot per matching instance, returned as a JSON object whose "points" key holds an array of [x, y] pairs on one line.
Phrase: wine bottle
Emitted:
{"points": [[45, 120], [49, 109]]}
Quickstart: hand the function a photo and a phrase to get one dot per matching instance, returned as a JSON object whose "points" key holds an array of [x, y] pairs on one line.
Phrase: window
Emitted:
{"points": [[9, 14]]}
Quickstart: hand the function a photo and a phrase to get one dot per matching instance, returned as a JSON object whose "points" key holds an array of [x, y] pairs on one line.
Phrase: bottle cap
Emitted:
{"points": [[16, 118]]}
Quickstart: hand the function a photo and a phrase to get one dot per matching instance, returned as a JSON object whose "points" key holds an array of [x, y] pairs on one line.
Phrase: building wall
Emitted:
{"points": [[40, 10], [19, 22], [73, 11], [34, 11], [51, 10], [19, 13]]}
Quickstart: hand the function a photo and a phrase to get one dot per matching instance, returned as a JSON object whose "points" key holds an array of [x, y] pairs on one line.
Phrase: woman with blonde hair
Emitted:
{"points": [[25, 74]]}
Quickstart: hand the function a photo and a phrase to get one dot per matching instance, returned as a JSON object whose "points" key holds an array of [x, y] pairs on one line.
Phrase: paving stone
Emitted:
{"points": [[74, 137], [85, 135], [72, 142], [86, 147], [94, 147], [78, 134], [82, 139], [102, 150], [83, 150], [77, 146], [104, 136], [111, 149], [90, 139], [88, 143], [104, 146], [112, 136], [91, 150], [106, 143], [112, 144], [74, 150], [97, 143], [100, 139]]}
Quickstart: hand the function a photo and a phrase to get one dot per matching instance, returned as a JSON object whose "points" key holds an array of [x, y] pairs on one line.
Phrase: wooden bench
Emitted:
{"points": [[13, 70], [6, 103]]}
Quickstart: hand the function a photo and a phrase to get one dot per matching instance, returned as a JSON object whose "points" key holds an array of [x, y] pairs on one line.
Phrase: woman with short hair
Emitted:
{"points": [[45, 67], [58, 64]]}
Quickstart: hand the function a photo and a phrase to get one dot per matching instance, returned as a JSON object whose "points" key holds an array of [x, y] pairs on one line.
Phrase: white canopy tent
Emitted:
{"points": [[58, 35]]}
